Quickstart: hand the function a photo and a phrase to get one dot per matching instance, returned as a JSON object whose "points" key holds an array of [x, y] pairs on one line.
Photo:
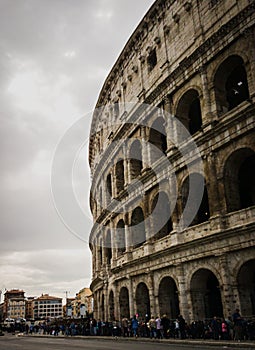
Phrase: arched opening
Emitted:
{"points": [[142, 301], [239, 175], [246, 288], [168, 298], [102, 308], [111, 306], [124, 303], [138, 227], [119, 176], [136, 163], [197, 211], [120, 237], [108, 247], [157, 138], [205, 295], [230, 82], [109, 187], [189, 113], [160, 213]]}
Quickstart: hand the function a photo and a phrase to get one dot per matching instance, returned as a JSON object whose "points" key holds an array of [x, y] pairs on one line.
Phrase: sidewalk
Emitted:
{"points": [[209, 342]]}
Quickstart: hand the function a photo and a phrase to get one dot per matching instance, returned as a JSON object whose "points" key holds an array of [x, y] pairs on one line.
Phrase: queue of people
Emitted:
{"points": [[234, 327]]}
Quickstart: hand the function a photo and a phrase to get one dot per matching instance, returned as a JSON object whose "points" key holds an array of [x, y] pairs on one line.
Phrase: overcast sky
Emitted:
{"points": [[54, 58]]}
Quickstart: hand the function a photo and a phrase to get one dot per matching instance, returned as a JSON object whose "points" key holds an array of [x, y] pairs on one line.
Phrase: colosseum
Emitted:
{"points": [[173, 166]]}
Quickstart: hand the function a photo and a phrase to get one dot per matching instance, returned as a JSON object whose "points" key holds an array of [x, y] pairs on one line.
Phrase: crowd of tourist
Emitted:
{"points": [[232, 328]]}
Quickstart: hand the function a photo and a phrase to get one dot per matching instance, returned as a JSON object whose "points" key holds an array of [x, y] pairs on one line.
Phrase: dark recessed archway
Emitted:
{"points": [[239, 179], [142, 300], [230, 82], [138, 227], [205, 295], [246, 288], [168, 298], [124, 303]]}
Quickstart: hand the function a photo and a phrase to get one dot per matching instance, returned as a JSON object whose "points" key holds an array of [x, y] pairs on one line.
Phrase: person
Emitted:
{"points": [[158, 328], [124, 324], [182, 327], [134, 326], [166, 326], [152, 327], [215, 328], [224, 330], [237, 320]]}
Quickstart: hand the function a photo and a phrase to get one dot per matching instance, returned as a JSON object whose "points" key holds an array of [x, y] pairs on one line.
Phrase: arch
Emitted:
{"points": [[120, 237], [111, 307], [168, 298], [135, 156], [109, 187], [119, 176], [108, 247], [246, 287], [189, 112], [137, 227], [239, 174], [142, 300], [203, 213], [230, 83], [124, 303], [161, 215], [205, 295], [102, 307], [157, 137]]}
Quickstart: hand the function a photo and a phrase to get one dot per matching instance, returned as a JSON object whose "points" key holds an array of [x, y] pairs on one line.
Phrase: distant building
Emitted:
{"points": [[1, 311], [82, 304], [47, 306], [29, 308], [14, 304]]}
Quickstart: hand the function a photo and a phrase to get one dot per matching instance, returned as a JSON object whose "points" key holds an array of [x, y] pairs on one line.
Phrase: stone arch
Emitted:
{"points": [[120, 237], [239, 183], [230, 84], [157, 137], [246, 287], [137, 227], [135, 156], [161, 215], [203, 212], [124, 303], [111, 307], [168, 298], [119, 169], [205, 295], [142, 300], [189, 113]]}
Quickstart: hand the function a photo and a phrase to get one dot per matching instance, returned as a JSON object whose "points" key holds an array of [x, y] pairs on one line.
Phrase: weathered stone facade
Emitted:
{"points": [[195, 61]]}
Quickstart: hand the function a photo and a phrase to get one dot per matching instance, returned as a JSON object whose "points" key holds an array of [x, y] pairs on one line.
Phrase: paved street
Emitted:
{"points": [[10, 342]]}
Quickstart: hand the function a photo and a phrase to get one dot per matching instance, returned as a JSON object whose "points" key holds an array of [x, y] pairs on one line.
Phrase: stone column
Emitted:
{"points": [[212, 186], [206, 107], [152, 293], [182, 290], [170, 126], [131, 297], [116, 304], [145, 149], [227, 295], [128, 235], [113, 240], [127, 169]]}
